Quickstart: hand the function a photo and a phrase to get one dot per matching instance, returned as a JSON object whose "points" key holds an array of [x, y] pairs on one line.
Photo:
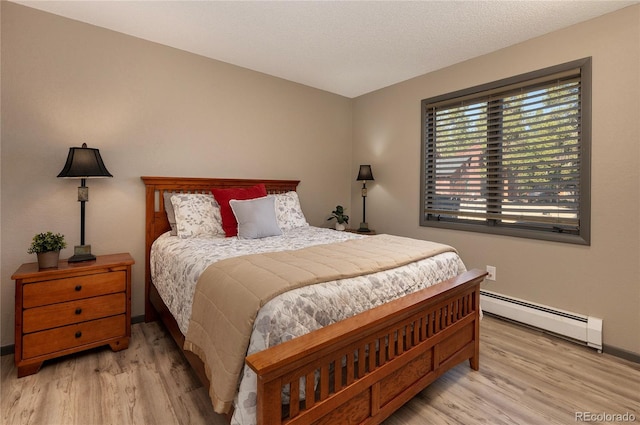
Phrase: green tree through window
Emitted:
{"points": [[511, 157]]}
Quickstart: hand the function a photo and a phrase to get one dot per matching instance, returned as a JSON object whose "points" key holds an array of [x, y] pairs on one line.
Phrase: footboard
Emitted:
{"points": [[362, 369]]}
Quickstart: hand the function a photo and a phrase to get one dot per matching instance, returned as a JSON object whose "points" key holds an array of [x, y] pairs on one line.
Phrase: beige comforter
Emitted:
{"points": [[230, 292]]}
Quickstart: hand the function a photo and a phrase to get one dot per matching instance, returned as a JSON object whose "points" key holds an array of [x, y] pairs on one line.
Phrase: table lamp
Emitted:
{"points": [[83, 163], [364, 175]]}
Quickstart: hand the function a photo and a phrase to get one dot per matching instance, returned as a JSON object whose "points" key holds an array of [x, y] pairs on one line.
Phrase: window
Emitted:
{"points": [[511, 157]]}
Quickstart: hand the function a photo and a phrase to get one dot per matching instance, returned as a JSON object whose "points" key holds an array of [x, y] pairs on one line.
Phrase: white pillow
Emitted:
{"points": [[288, 211], [197, 215], [256, 217], [171, 216]]}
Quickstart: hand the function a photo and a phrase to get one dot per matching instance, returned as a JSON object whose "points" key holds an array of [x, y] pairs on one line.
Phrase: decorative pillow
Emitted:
{"points": [[256, 217], [171, 216], [288, 211], [223, 196], [197, 215]]}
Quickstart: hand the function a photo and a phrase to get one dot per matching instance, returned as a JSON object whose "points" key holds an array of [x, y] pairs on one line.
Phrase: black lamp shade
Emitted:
{"points": [[84, 163], [365, 173]]}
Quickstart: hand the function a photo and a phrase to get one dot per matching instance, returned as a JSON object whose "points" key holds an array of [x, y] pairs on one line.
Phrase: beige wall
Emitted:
{"points": [[154, 110], [151, 110], [601, 280]]}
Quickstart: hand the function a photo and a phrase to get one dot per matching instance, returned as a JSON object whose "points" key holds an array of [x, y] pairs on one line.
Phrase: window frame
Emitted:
{"points": [[583, 237]]}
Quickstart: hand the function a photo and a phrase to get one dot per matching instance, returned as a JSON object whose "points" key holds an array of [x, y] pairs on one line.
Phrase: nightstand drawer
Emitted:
{"points": [[54, 315], [45, 342], [73, 288]]}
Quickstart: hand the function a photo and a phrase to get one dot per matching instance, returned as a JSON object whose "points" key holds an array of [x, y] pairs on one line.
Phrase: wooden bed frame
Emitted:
{"points": [[357, 371]]}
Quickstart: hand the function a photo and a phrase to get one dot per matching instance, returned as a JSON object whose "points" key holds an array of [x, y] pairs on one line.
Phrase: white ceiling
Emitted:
{"points": [[344, 47]]}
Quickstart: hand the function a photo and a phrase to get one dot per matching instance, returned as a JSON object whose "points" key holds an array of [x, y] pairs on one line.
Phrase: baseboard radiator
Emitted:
{"points": [[584, 329]]}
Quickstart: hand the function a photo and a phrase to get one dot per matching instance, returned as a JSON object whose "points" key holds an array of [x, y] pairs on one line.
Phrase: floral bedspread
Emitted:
{"points": [[176, 264], [293, 313]]}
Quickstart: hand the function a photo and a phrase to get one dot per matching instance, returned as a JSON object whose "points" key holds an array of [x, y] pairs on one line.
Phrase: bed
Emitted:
{"points": [[357, 370]]}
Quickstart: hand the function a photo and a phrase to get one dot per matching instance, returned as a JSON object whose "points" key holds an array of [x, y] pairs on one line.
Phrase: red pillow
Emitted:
{"points": [[223, 196]]}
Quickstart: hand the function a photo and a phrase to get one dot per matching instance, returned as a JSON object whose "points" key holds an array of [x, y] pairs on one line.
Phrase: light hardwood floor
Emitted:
{"points": [[525, 377]]}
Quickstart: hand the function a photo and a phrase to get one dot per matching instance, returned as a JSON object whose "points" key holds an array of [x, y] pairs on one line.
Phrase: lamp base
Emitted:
{"points": [[364, 228], [81, 253]]}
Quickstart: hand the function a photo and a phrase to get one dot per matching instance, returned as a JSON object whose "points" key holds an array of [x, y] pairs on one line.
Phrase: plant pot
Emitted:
{"points": [[49, 259], [340, 226]]}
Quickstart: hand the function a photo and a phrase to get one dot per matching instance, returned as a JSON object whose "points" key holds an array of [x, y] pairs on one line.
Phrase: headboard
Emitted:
{"points": [[156, 222]]}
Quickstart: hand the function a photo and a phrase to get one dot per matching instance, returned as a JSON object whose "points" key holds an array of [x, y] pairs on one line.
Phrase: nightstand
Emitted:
{"points": [[71, 308]]}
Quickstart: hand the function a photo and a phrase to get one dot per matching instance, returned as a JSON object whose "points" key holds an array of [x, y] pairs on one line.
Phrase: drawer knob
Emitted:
{"points": [[78, 334], [78, 310], [78, 288]]}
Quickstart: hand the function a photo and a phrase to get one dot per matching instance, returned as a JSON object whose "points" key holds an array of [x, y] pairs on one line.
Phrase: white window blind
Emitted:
{"points": [[510, 156]]}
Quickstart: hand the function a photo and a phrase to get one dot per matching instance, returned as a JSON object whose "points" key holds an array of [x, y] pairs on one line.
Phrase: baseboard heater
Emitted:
{"points": [[585, 329]]}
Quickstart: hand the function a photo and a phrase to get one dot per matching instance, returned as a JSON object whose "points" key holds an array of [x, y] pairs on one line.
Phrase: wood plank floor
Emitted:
{"points": [[525, 377]]}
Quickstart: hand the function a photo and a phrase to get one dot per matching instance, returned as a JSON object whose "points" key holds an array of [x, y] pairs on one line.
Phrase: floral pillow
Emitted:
{"points": [[197, 215], [288, 211]]}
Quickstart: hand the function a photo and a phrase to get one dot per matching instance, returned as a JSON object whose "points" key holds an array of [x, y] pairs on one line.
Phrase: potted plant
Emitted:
{"points": [[340, 216], [47, 247]]}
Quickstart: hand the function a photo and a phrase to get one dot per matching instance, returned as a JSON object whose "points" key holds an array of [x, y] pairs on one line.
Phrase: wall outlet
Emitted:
{"points": [[492, 273]]}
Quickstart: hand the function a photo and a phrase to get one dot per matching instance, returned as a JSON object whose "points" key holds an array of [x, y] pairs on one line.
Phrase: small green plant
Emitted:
{"points": [[45, 242], [339, 215]]}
